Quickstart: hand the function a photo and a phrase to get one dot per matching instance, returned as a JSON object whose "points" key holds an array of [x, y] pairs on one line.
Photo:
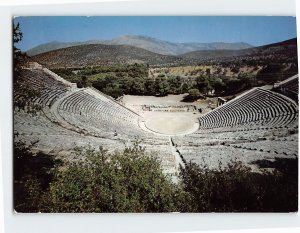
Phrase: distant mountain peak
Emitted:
{"points": [[136, 36], [104, 54], [145, 42]]}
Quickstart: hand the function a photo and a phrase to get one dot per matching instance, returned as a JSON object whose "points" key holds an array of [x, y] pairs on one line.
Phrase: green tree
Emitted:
{"points": [[235, 188], [32, 176], [17, 35], [18, 55], [175, 83], [138, 87], [162, 86], [217, 85], [234, 85], [271, 73], [84, 80], [114, 90], [194, 94], [150, 87], [23, 94], [249, 80], [184, 88], [203, 84], [96, 181]]}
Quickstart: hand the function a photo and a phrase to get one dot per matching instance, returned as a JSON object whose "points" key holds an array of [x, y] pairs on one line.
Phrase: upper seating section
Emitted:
{"points": [[290, 84], [48, 87], [289, 87], [255, 108]]}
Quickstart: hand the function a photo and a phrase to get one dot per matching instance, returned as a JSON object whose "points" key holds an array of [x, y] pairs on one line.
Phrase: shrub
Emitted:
{"points": [[236, 188], [132, 181], [128, 181], [123, 182], [32, 175]]}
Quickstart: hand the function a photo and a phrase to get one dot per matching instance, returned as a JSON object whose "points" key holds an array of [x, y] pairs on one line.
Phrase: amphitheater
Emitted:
{"points": [[256, 126]]}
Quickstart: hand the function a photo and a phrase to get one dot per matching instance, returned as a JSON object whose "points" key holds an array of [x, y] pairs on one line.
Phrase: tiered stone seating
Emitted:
{"points": [[292, 86], [217, 156], [51, 137], [164, 155], [98, 115], [248, 146], [289, 87], [259, 124], [49, 88], [98, 119], [256, 108], [280, 146], [60, 79]]}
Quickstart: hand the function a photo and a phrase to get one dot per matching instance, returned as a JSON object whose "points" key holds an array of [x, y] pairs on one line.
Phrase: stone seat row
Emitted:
{"points": [[42, 79], [101, 116], [83, 103], [256, 108], [291, 85], [48, 89], [217, 156]]}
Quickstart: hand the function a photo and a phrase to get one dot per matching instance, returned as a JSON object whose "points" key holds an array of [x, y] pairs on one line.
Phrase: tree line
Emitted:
{"points": [[117, 80]]}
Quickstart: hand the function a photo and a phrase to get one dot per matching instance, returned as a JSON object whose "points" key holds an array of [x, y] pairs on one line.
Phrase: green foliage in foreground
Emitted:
{"points": [[132, 181], [236, 189], [121, 182], [124, 182]]}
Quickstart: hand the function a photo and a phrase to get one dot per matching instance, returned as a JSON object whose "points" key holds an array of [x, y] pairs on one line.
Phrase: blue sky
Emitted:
{"points": [[250, 29]]}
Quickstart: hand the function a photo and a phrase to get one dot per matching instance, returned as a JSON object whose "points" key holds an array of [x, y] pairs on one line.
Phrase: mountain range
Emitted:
{"points": [[288, 48], [101, 54], [144, 42]]}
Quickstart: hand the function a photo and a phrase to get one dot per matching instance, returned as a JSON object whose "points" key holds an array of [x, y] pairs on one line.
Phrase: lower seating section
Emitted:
{"points": [[217, 156], [279, 146], [164, 155], [254, 109], [252, 147], [51, 137]]}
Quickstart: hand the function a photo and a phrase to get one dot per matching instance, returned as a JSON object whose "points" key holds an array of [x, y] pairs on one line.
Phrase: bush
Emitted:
{"points": [[123, 182], [236, 189], [32, 176], [129, 181], [132, 181]]}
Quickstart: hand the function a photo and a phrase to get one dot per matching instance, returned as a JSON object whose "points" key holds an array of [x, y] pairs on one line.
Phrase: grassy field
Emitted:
{"points": [[196, 70]]}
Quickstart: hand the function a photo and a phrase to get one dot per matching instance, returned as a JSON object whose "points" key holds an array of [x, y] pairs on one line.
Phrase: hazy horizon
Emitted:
{"points": [[253, 30]]}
